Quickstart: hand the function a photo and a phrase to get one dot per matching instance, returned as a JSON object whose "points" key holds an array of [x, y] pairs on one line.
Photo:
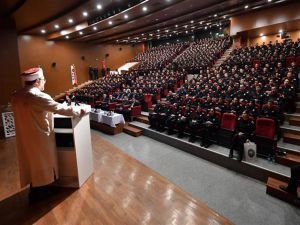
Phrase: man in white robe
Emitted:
{"points": [[33, 112]]}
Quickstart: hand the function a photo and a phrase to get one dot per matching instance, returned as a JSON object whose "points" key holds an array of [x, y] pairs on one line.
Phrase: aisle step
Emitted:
{"points": [[294, 120], [291, 137], [291, 158], [274, 190], [132, 131], [142, 119]]}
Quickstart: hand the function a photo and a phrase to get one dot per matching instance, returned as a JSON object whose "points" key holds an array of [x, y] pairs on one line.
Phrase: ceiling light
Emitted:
{"points": [[205, 27], [176, 25], [94, 28], [110, 22], [167, 31], [56, 26], [67, 37], [215, 15], [145, 8], [125, 16], [70, 20], [99, 6], [43, 31], [261, 34], [80, 32], [280, 31], [269, 0], [246, 6], [224, 16], [85, 14], [192, 21]]}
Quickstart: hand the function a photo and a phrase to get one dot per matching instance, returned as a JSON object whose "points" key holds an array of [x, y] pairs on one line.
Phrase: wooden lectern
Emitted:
{"points": [[74, 150]]}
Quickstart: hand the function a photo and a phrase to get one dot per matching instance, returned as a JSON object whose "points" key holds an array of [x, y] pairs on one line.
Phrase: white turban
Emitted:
{"points": [[32, 74]]}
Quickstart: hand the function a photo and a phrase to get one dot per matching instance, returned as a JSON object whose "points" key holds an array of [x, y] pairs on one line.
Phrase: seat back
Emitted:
{"points": [[228, 121], [265, 128]]}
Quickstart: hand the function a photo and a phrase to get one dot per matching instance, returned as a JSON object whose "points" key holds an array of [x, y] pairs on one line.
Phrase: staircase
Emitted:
{"points": [[291, 137], [223, 58]]}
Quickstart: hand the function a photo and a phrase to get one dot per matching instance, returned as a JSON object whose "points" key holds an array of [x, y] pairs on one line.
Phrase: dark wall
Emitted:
{"points": [[9, 60]]}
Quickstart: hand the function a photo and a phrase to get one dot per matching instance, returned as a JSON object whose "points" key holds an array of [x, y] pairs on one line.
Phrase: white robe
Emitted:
{"points": [[36, 150]]}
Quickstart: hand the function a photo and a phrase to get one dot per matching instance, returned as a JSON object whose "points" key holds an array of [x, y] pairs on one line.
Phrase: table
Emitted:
{"points": [[103, 117]]}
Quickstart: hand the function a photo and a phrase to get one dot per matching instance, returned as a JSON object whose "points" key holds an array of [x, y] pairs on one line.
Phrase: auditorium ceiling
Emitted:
{"points": [[119, 21]]}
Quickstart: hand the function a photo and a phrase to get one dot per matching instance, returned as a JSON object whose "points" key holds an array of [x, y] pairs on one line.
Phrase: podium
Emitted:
{"points": [[74, 150]]}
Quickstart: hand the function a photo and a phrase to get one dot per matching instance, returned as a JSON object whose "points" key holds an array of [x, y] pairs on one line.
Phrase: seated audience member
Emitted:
{"points": [[210, 126], [196, 123], [183, 121], [294, 181], [244, 131]]}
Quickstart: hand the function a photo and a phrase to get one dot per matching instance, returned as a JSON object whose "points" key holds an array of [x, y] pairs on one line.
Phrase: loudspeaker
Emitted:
{"points": [[54, 64]]}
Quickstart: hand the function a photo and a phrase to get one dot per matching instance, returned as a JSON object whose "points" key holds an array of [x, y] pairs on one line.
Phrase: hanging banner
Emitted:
{"points": [[73, 75]]}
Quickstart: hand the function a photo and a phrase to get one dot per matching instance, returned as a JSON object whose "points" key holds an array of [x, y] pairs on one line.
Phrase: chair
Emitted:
{"points": [[265, 137], [227, 128]]}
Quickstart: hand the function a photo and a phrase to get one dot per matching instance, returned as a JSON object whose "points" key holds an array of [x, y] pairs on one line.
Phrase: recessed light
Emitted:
{"points": [[192, 21], [80, 32], [67, 37], [224, 16], [56, 26], [94, 28], [110, 22], [85, 14], [99, 6], [145, 8], [269, 0], [246, 6], [176, 25], [215, 15], [43, 31], [70, 20], [125, 16], [261, 34], [205, 27], [280, 31]]}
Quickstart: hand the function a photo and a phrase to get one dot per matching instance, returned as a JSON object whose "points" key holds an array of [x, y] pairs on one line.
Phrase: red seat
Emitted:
{"points": [[298, 61], [227, 128], [289, 60], [228, 121], [264, 137], [136, 111], [112, 106]]}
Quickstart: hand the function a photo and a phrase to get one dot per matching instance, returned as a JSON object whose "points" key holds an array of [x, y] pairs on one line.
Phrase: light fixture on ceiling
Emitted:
{"points": [[43, 31], [280, 31], [125, 16], [215, 15], [261, 34], [94, 28], [192, 21], [56, 26], [99, 6], [85, 14], [205, 27], [110, 22], [269, 0], [176, 25], [67, 37], [80, 32], [70, 20], [246, 6], [145, 8]]}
